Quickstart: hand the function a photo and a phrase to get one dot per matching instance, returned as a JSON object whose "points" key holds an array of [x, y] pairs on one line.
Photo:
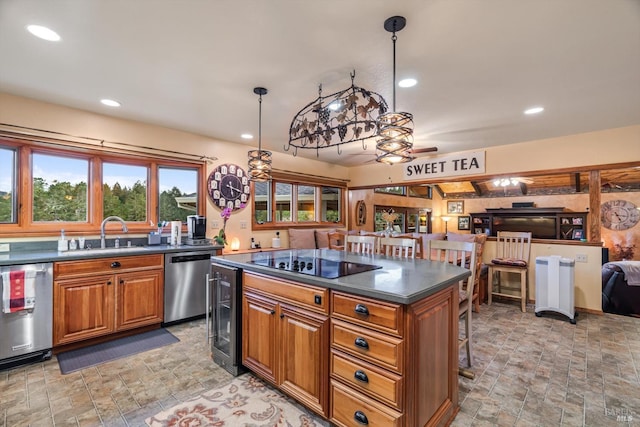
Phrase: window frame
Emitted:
{"points": [[295, 180], [25, 226]]}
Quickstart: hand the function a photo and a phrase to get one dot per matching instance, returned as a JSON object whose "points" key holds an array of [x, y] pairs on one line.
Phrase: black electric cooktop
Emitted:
{"points": [[319, 267]]}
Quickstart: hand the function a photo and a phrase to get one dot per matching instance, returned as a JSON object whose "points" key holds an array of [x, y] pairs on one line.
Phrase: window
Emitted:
{"points": [[331, 204], [124, 191], [59, 188], [284, 195], [178, 193], [306, 203], [7, 185], [261, 204], [294, 202], [399, 190]]}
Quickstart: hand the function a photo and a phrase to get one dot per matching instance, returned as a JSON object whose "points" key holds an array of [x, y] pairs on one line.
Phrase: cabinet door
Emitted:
{"points": [[139, 299], [259, 335], [83, 308], [304, 340]]}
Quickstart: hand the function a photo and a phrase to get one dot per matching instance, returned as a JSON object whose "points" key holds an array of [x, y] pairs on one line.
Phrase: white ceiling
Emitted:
{"points": [[193, 64]]}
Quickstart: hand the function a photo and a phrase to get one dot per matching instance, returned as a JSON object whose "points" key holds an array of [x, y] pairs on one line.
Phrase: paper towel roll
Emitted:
{"points": [[176, 233]]}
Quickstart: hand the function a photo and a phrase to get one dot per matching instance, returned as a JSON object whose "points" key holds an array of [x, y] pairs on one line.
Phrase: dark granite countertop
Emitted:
{"points": [[399, 280], [47, 255]]}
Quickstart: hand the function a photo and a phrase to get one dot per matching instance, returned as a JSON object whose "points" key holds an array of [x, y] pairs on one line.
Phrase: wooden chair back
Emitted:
{"points": [[365, 245], [513, 245], [397, 247], [336, 240], [462, 254]]}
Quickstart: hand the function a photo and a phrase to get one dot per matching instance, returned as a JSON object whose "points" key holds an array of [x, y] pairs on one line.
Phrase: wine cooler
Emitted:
{"points": [[224, 322]]}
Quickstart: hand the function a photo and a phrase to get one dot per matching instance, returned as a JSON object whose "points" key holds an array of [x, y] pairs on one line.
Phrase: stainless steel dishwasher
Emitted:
{"points": [[184, 290], [26, 331]]}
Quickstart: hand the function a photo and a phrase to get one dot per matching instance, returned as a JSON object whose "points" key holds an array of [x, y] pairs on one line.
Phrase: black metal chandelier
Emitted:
{"points": [[259, 160], [395, 128], [342, 117]]}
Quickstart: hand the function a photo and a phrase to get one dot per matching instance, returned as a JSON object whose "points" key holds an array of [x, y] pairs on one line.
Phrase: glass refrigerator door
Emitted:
{"points": [[222, 311]]}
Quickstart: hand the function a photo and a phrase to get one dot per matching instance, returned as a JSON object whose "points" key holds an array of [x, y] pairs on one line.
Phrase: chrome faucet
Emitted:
{"points": [[102, 232]]}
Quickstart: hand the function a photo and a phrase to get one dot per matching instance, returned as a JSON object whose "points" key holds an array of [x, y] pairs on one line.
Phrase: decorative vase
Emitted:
{"points": [[389, 230]]}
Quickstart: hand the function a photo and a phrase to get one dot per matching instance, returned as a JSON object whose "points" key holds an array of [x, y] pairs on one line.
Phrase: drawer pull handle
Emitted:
{"points": [[115, 264], [121, 281], [281, 315], [362, 309], [362, 343], [272, 312], [361, 376], [109, 282], [360, 417]]}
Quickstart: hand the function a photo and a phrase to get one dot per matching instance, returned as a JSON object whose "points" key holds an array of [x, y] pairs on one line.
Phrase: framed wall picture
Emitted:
{"points": [[578, 234], [464, 223], [456, 207]]}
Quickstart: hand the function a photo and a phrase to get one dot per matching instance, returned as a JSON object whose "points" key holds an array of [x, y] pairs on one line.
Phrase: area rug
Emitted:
{"points": [[245, 401], [74, 360]]}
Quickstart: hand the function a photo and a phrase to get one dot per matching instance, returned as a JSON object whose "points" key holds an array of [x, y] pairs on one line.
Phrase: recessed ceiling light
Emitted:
{"points": [[110, 102], [246, 136], [43, 33], [534, 110], [407, 82]]}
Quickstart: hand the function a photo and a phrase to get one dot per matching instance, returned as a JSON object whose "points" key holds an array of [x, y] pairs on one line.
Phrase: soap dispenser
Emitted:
{"points": [[275, 242], [63, 243]]}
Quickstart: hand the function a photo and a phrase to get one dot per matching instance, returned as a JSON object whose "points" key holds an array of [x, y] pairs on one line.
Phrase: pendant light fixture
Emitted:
{"points": [[395, 128], [259, 160]]}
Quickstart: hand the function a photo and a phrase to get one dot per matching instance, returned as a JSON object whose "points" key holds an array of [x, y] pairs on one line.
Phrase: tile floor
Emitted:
{"points": [[529, 372]]}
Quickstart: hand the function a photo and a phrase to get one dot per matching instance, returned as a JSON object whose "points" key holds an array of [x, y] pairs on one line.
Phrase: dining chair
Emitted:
{"points": [[512, 256], [365, 245], [397, 247], [461, 254], [336, 240], [481, 239]]}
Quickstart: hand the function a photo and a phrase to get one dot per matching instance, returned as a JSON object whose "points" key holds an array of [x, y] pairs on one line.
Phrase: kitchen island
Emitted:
{"points": [[378, 347]]}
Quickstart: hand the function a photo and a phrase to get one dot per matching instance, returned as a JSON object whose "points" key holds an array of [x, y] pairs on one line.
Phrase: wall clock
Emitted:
{"points": [[228, 186], [619, 215]]}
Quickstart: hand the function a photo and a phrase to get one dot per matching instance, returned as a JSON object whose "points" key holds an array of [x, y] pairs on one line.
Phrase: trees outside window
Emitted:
{"points": [[7, 185], [58, 189]]}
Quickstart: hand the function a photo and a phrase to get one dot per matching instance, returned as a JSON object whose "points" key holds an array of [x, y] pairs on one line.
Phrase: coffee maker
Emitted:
{"points": [[197, 230]]}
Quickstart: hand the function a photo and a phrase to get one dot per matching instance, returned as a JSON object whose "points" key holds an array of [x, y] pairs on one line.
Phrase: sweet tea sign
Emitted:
{"points": [[471, 163]]}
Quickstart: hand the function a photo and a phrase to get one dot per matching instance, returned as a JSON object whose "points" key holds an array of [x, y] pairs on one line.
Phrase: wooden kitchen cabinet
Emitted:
{"points": [[98, 297], [285, 337], [393, 364]]}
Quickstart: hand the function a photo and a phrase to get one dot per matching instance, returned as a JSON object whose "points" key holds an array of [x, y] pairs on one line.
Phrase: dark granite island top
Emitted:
{"points": [[403, 281]]}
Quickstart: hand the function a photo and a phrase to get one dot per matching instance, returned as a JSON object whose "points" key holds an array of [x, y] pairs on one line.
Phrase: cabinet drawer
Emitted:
{"points": [[368, 379], [378, 315], [88, 267], [380, 349], [352, 409], [311, 297]]}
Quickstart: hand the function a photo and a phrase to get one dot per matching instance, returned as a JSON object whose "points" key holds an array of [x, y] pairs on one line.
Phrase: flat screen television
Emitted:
{"points": [[541, 227]]}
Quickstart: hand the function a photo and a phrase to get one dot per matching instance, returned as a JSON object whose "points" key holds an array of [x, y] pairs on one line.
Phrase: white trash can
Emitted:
{"points": [[554, 286]]}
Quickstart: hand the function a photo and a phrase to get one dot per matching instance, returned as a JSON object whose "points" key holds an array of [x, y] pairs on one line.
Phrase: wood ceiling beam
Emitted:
{"points": [[576, 180], [523, 188], [439, 190], [476, 188]]}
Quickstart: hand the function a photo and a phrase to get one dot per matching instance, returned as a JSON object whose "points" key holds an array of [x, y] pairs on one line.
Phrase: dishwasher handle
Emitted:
{"points": [[190, 258]]}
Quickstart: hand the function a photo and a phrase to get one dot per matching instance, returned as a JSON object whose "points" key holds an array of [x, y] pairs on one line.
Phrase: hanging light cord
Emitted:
{"points": [[260, 123], [394, 38]]}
